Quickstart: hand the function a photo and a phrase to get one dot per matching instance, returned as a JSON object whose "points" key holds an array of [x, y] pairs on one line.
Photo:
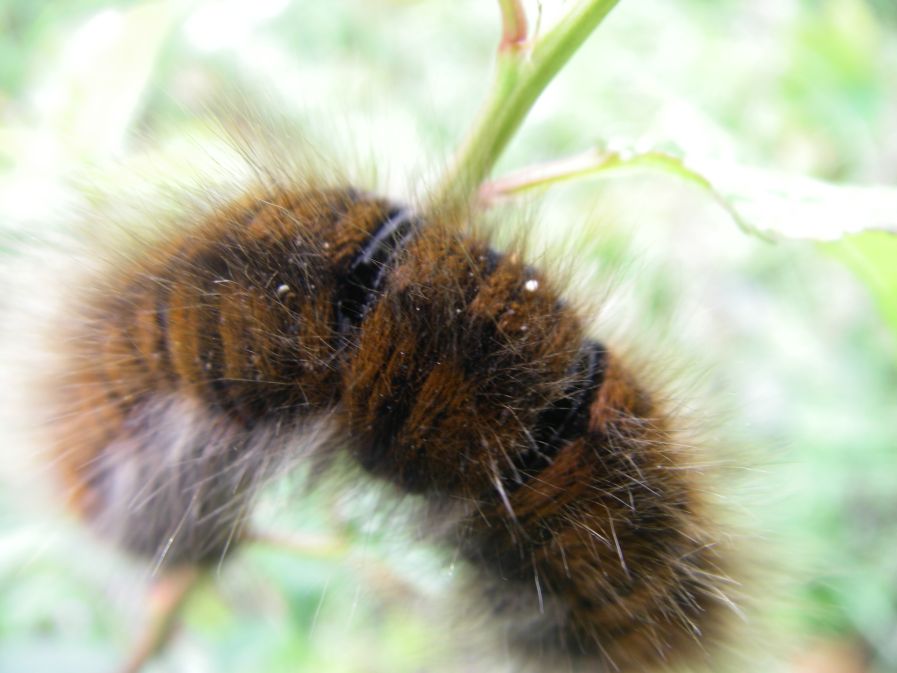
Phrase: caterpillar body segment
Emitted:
{"points": [[194, 368]]}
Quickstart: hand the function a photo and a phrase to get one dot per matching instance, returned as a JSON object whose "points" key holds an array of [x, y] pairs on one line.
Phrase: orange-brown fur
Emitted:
{"points": [[441, 389]]}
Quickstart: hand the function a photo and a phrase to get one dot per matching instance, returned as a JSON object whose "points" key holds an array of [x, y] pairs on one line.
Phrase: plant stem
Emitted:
{"points": [[521, 77], [513, 25], [598, 163], [166, 600], [312, 546]]}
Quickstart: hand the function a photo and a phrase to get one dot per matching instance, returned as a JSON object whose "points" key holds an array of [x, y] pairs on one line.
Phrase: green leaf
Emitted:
{"points": [[768, 203], [795, 206], [857, 224], [103, 70], [872, 256]]}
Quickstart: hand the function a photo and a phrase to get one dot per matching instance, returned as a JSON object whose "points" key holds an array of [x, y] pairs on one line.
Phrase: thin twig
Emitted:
{"points": [[542, 175], [380, 574], [167, 598], [306, 544]]}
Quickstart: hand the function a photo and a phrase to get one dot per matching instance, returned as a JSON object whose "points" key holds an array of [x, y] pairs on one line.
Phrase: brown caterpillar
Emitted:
{"points": [[450, 370]]}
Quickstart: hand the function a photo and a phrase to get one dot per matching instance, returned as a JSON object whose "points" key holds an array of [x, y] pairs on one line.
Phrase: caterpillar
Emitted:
{"points": [[304, 321]]}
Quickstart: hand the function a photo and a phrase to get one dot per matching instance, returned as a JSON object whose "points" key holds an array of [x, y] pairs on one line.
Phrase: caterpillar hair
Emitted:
{"points": [[303, 319]]}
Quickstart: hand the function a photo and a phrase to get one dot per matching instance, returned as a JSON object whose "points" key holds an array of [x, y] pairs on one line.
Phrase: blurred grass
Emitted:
{"points": [[798, 345]]}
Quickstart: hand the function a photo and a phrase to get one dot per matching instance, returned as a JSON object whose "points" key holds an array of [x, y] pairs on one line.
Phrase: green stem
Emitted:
{"points": [[513, 25], [607, 163], [521, 77], [309, 546]]}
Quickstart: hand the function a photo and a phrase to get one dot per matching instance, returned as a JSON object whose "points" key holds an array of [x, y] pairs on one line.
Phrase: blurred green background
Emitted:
{"points": [[796, 339]]}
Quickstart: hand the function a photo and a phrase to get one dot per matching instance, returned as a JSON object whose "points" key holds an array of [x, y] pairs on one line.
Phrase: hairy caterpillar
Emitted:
{"points": [[192, 364]]}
